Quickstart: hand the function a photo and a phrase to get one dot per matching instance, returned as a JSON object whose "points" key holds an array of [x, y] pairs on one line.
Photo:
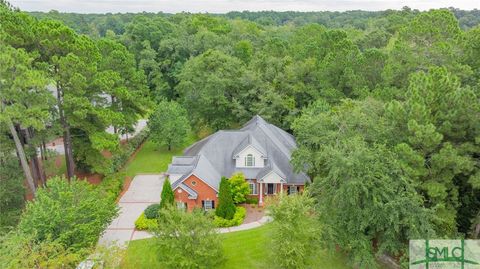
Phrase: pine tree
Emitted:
{"points": [[167, 196], [226, 208]]}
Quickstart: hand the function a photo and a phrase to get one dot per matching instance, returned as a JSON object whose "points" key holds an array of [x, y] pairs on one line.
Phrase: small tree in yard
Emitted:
{"points": [[73, 214], [187, 240], [167, 196], [240, 188], [295, 231], [169, 125], [226, 207]]}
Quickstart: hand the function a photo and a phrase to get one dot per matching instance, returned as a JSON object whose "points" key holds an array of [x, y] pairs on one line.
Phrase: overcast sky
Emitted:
{"points": [[222, 6]]}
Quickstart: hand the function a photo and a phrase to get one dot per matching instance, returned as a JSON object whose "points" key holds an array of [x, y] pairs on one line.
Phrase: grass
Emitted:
{"points": [[244, 249], [154, 159]]}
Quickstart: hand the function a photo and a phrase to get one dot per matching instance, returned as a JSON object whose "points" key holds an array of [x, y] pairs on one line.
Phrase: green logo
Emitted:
{"points": [[446, 254]]}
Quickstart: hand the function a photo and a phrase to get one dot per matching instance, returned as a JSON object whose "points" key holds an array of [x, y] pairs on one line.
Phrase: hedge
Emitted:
{"points": [[120, 159], [252, 200], [142, 223], [238, 218], [112, 184]]}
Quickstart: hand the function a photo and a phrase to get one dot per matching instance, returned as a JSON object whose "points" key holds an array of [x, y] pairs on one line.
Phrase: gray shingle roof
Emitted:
{"points": [[211, 157], [249, 141]]}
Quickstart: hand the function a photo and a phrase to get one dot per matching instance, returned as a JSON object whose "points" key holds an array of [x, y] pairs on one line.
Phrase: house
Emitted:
{"points": [[260, 150]]}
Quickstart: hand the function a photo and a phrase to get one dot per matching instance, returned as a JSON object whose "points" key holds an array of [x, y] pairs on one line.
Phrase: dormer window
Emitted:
{"points": [[249, 160]]}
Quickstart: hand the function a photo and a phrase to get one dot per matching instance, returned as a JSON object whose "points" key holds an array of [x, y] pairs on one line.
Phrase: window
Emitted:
{"points": [[194, 183], [292, 189], [249, 160], [182, 206], [253, 188], [208, 204]]}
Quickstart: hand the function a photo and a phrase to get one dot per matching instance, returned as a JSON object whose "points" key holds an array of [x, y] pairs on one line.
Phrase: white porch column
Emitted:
{"points": [[281, 187], [260, 201]]}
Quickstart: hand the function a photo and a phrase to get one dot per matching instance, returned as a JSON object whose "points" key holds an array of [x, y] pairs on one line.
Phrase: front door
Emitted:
{"points": [[270, 188]]}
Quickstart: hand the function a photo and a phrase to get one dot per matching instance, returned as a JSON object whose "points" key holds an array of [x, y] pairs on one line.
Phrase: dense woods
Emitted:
{"points": [[385, 106]]}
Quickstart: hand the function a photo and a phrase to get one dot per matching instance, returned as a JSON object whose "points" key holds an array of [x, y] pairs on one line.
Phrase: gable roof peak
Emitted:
{"points": [[254, 121], [249, 141]]}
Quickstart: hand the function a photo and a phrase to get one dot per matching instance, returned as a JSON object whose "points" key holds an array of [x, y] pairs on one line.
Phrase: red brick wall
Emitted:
{"points": [[204, 192]]}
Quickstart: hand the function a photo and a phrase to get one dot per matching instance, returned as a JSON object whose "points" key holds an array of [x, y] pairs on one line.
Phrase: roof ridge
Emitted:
{"points": [[275, 141]]}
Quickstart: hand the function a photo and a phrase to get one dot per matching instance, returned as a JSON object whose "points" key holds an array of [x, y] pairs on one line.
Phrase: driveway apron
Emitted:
{"points": [[144, 190]]}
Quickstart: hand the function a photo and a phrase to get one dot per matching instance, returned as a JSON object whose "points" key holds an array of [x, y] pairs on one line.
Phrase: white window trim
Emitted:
{"points": [[210, 207], [255, 189], [290, 189], [249, 160], [182, 205]]}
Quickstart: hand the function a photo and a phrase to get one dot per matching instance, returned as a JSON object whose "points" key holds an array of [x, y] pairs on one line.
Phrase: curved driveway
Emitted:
{"points": [[144, 190]]}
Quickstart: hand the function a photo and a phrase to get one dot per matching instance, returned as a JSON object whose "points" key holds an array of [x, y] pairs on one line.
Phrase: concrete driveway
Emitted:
{"points": [[144, 190]]}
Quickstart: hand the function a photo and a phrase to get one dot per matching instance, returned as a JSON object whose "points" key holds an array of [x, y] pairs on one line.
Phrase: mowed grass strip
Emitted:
{"points": [[244, 249], [154, 159]]}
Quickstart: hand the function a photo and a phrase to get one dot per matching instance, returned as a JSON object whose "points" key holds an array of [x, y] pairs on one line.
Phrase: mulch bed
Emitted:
{"points": [[92, 178], [254, 213]]}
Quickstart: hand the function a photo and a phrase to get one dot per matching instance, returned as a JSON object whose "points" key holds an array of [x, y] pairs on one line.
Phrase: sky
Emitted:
{"points": [[223, 6]]}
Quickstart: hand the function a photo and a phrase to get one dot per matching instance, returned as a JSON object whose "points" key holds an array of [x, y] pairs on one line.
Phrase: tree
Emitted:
{"points": [[355, 171], [127, 86], [187, 240], [169, 125], [295, 235], [12, 190], [431, 39], [472, 50], [210, 86], [24, 99], [167, 196], [244, 50], [226, 207], [437, 126], [73, 214], [240, 188]]}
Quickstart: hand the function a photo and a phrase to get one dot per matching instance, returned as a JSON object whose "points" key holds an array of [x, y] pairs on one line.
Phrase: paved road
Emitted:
{"points": [[144, 190], [57, 144]]}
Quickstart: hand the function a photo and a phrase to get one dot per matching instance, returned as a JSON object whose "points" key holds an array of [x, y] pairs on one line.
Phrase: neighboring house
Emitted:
{"points": [[260, 150]]}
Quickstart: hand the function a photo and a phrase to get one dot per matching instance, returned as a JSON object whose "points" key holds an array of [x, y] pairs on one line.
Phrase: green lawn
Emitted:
{"points": [[154, 159], [245, 249]]}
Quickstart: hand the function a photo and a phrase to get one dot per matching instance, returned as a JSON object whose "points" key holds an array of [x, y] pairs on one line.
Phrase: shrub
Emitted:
{"points": [[295, 231], [112, 185], [252, 200], [240, 188], [237, 219], [143, 223], [151, 212], [226, 208], [167, 196], [71, 213], [21, 250], [187, 240]]}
